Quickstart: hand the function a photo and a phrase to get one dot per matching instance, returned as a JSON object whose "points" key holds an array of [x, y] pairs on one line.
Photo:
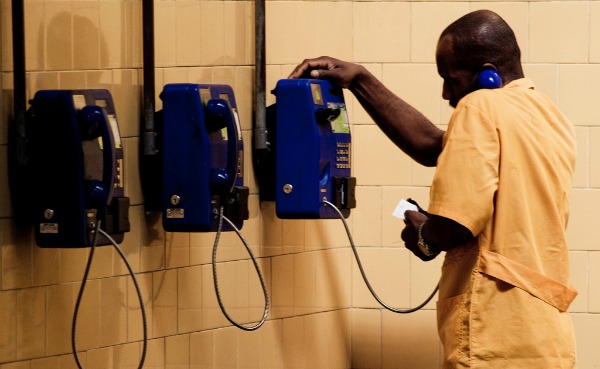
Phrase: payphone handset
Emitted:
{"points": [[313, 150], [75, 168], [203, 167]]}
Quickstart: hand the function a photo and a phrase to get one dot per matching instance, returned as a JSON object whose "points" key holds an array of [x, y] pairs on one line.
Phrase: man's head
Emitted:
{"points": [[476, 41]]}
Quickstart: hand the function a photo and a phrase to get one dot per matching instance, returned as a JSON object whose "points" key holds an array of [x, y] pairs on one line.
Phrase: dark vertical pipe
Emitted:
{"points": [[260, 125], [149, 132], [20, 95]]}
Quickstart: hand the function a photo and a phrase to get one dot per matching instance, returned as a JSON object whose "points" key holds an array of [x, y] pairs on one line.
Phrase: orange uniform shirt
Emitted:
{"points": [[505, 173]]}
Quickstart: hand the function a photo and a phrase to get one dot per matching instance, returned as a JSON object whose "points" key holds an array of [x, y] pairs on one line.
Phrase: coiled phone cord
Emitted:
{"points": [[364, 276], [97, 230], [216, 282]]}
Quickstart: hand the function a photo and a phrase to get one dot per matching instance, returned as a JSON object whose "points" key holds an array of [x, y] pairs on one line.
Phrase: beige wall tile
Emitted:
{"points": [[164, 303], [248, 350], [164, 31], [256, 295], [331, 18], [5, 195], [21, 365], [225, 346], [127, 356], [177, 249], [6, 38], [60, 306], [117, 30], [201, 245], [424, 277], [577, 97], [58, 24], [8, 320], [278, 15], [177, 352], [557, 32], [133, 185], [581, 176], [315, 341], [579, 261], [594, 157], [366, 217], [294, 342], [100, 358], [338, 327], [34, 35], [594, 31], [421, 175], [31, 319], [334, 273], [72, 80], [187, 33], [155, 354], [366, 338], [270, 352], [417, 84], [387, 271], [586, 328], [593, 281], [305, 281], [428, 19], [135, 327], [88, 319], [212, 316], [545, 78], [50, 362], [282, 292], [127, 97], [86, 36], [243, 89], [238, 32], [113, 311], [410, 340], [582, 219], [381, 32], [374, 154], [16, 263], [201, 350], [211, 33], [325, 233]]}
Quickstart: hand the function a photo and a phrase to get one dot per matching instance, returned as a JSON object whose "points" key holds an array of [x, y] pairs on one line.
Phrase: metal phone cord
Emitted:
{"points": [[216, 282], [364, 276], [96, 230]]}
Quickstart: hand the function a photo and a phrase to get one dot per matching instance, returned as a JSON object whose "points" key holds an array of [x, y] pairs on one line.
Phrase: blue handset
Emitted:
{"points": [[489, 79], [203, 158], [76, 165]]}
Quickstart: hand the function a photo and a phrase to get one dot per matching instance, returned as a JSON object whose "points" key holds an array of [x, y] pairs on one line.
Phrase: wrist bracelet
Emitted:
{"points": [[423, 246]]}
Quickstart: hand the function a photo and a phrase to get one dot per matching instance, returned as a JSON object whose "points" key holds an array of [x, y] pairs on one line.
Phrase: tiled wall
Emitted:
{"points": [[322, 315]]}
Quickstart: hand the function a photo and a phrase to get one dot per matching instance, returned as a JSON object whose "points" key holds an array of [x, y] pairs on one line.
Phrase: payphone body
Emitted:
{"points": [[203, 163], [75, 168], [313, 150]]}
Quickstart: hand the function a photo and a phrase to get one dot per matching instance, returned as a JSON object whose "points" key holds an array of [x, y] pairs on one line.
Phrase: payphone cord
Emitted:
{"points": [[364, 276], [97, 231], [216, 282]]}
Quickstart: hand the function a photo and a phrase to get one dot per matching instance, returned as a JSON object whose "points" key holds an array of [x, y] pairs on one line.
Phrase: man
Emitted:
{"points": [[498, 202]]}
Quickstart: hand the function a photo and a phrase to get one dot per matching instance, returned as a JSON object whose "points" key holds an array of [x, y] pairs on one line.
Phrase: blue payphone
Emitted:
{"points": [[75, 168], [312, 150], [203, 163]]}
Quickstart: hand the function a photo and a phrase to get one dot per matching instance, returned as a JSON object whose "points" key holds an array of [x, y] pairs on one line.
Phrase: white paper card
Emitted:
{"points": [[403, 206]]}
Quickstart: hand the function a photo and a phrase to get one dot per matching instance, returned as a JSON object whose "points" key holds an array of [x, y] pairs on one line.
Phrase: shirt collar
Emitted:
{"points": [[522, 83]]}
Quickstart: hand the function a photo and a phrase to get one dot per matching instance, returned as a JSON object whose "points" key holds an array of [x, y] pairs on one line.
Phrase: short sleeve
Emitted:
{"points": [[466, 177]]}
